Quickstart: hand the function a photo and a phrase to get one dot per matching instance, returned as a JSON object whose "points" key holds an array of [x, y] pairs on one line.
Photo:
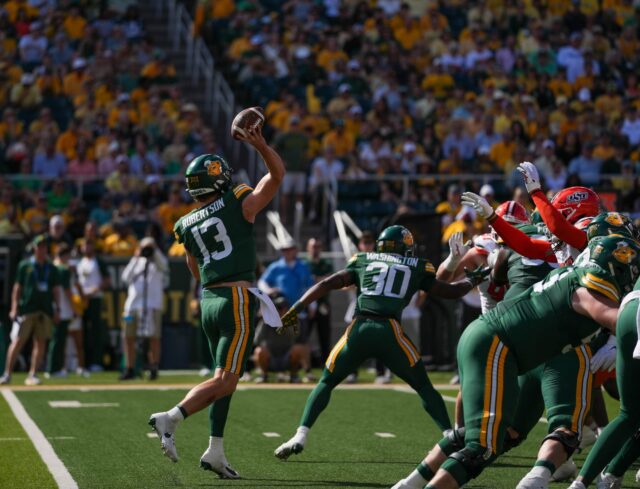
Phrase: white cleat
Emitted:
{"points": [[165, 427], [215, 461], [404, 484], [567, 471], [577, 485], [608, 481], [532, 481], [5, 379], [638, 476], [32, 380], [291, 447]]}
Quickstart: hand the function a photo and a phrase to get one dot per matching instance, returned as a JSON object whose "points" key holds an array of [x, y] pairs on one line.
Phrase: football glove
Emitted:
{"points": [[477, 275], [604, 359], [290, 320], [457, 249], [530, 175], [479, 203]]}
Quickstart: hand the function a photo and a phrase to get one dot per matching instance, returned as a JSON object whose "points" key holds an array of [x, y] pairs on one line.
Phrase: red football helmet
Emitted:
{"points": [[513, 212], [577, 202]]}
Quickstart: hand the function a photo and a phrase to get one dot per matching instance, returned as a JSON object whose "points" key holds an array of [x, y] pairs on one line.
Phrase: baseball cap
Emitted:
{"points": [[548, 144], [287, 244]]}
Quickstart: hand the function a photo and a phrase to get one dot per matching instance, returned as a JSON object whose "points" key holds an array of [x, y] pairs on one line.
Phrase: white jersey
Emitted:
{"points": [[490, 293]]}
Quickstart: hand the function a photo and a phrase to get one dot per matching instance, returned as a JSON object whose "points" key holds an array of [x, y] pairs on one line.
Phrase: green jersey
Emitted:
{"points": [[540, 323], [220, 238], [37, 282], [387, 282], [523, 272]]}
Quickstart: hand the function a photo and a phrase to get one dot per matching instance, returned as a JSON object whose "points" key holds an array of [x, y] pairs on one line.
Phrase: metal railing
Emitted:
{"points": [[200, 67], [276, 232]]}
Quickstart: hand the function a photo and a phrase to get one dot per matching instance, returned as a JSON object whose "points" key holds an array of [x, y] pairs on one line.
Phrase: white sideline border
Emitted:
{"points": [[58, 470]]}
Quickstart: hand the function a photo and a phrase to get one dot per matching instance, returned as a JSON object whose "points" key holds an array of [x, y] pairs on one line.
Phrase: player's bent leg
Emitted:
{"points": [[625, 457], [347, 354]]}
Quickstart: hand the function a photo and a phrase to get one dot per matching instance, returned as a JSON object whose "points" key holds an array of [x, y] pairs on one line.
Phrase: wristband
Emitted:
{"points": [[492, 217], [298, 306]]}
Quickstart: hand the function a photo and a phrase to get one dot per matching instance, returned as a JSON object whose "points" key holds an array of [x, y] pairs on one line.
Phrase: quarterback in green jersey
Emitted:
{"points": [[385, 280], [553, 316], [220, 250]]}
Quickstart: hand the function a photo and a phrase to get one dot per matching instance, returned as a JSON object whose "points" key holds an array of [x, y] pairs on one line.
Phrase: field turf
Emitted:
{"points": [[109, 447]]}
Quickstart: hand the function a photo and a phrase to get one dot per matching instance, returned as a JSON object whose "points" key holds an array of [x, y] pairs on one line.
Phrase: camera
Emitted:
{"points": [[146, 251]]}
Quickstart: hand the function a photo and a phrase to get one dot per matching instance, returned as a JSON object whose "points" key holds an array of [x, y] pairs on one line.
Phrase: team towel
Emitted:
{"points": [[267, 308]]}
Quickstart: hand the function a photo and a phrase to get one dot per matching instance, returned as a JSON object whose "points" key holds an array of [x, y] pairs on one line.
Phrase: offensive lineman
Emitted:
{"points": [[557, 314], [221, 253], [385, 280]]}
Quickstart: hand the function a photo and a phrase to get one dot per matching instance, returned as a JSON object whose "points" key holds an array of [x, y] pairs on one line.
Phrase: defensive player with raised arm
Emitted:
{"points": [[386, 280], [220, 247], [553, 316]]}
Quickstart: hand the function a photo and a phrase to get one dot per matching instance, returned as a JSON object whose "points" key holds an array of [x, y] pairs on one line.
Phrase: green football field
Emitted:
{"points": [[369, 437]]}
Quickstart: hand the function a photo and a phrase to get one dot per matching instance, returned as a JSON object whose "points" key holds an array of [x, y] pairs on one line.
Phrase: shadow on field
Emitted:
{"points": [[266, 483]]}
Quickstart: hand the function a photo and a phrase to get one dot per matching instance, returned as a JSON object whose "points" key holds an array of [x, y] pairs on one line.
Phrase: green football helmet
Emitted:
{"points": [[396, 240], [609, 223], [619, 256], [208, 174], [536, 218]]}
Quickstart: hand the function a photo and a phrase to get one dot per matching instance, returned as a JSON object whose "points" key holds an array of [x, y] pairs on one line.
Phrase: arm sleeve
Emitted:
{"points": [[557, 224], [242, 191], [521, 243], [352, 268], [21, 275]]}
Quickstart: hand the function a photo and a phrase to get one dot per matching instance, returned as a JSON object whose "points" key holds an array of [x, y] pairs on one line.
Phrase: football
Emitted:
{"points": [[248, 118]]}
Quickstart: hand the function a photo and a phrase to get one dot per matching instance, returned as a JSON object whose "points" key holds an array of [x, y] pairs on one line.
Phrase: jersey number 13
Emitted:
{"points": [[221, 237]]}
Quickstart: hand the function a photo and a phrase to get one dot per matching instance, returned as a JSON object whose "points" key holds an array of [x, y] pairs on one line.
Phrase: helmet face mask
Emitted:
{"points": [[396, 240], [208, 174]]}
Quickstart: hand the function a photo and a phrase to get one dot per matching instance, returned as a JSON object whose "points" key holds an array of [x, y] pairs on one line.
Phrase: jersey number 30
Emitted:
{"points": [[385, 279], [221, 236]]}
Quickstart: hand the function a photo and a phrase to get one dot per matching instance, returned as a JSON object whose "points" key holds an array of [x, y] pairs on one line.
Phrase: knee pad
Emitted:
{"points": [[471, 459], [453, 441], [569, 440]]}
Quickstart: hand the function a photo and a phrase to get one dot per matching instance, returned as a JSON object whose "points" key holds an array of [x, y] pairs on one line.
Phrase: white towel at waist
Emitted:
{"points": [[267, 308]]}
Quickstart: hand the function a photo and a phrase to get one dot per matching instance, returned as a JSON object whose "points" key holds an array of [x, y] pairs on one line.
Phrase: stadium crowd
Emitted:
{"points": [[359, 88]]}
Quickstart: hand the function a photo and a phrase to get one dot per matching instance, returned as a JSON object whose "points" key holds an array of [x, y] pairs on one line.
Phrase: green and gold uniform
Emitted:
{"points": [[623, 430], [385, 284], [562, 385], [223, 243], [35, 304], [512, 339]]}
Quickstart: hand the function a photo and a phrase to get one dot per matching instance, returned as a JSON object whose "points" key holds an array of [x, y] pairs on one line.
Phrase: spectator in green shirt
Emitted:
{"points": [[35, 305]]}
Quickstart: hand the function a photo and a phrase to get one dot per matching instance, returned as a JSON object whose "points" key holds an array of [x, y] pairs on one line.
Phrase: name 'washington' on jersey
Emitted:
{"points": [[220, 238], [387, 282], [540, 323]]}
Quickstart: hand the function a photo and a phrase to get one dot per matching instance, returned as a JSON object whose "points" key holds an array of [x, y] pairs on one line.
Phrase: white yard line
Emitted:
{"points": [[271, 434], [59, 472], [385, 435]]}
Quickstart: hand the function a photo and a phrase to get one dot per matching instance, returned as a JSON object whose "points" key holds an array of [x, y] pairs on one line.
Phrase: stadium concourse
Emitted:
{"points": [[384, 109]]}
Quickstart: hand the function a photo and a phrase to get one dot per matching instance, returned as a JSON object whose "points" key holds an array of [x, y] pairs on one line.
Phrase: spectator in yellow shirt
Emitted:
{"points": [[159, 70], [74, 24], [342, 142], [35, 220], [121, 242], [74, 83], [330, 55], [169, 212], [68, 141], [502, 151], [448, 209]]}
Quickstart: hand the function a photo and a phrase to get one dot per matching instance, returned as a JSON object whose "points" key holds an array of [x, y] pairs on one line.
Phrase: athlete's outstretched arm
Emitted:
{"points": [[338, 280], [500, 268], [551, 216], [268, 185], [557, 224], [472, 259], [520, 242], [193, 265], [454, 290], [601, 309]]}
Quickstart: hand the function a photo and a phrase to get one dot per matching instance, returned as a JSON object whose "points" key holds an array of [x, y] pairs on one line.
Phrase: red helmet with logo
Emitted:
{"points": [[513, 212], [584, 222], [576, 202]]}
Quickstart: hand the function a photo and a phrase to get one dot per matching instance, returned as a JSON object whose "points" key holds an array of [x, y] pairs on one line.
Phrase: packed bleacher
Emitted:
{"points": [[93, 124], [367, 88]]}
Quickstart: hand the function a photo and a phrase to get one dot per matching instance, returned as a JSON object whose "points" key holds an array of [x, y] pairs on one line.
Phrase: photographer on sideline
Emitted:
{"points": [[142, 315]]}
